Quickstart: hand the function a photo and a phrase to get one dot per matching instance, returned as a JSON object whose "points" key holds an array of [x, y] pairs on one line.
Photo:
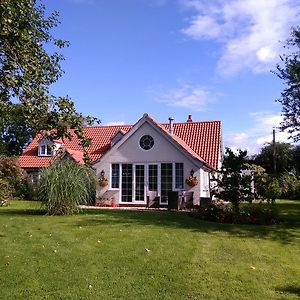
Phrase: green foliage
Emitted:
{"points": [[253, 213], [26, 72], [289, 72], [290, 186], [10, 171], [6, 192], [65, 185], [232, 184], [284, 157]]}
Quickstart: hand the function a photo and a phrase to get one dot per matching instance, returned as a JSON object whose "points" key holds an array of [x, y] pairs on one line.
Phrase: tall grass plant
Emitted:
{"points": [[65, 185]]}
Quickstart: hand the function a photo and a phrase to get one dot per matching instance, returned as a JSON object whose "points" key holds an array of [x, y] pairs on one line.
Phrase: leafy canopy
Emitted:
{"points": [[289, 72], [26, 72]]}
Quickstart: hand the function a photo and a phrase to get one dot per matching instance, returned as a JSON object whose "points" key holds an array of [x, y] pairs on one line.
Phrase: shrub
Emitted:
{"points": [[65, 185], [253, 213], [11, 172], [290, 186], [5, 192]]}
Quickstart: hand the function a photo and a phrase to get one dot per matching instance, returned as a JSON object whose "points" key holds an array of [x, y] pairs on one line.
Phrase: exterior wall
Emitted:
{"points": [[32, 175], [204, 184], [163, 151]]}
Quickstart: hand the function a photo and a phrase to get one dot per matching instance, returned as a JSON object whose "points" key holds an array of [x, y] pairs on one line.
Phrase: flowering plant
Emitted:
{"points": [[103, 181], [191, 181]]}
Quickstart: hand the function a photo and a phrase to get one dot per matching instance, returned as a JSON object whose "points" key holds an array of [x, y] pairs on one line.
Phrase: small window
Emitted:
{"points": [[178, 175], [115, 176], [45, 150], [146, 142]]}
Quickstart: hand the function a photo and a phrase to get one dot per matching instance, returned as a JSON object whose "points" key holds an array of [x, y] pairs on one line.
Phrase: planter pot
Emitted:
{"points": [[192, 182], [103, 183]]}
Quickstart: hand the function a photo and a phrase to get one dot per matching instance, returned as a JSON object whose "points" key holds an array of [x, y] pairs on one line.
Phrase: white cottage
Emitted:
{"points": [[144, 162]]}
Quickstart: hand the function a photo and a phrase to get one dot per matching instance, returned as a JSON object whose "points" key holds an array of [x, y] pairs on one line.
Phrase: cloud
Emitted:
{"points": [[194, 98], [249, 31], [260, 134], [115, 123]]}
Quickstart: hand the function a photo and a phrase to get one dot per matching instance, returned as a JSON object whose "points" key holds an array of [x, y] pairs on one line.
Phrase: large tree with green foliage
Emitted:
{"points": [[283, 157], [26, 72], [289, 72]]}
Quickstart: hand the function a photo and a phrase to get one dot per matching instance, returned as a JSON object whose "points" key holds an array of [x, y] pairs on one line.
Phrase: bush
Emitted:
{"points": [[5, 192], [11, 172], [65, 185], [253, 213], [290, 186]]}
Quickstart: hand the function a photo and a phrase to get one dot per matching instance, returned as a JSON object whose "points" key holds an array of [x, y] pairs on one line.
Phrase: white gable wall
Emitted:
{"points": [[163, 151]]}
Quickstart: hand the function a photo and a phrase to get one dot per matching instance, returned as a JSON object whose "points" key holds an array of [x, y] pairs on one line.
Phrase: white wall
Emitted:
{"points": [[163, 151]]}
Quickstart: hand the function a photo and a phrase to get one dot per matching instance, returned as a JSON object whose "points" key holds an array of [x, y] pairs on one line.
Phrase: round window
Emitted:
{"points": [[146, 142]]}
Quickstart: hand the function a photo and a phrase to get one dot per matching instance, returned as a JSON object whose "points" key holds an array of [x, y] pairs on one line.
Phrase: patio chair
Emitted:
{"points": [[152, 199]]}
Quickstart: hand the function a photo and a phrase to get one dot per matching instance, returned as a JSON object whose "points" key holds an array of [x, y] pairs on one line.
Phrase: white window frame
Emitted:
{"points": [[47, 144]]}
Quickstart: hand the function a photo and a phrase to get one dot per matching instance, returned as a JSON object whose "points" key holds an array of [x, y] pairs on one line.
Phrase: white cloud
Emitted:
{"points": [[260, 134], [115, 123], [249, 31], [194, 98]]}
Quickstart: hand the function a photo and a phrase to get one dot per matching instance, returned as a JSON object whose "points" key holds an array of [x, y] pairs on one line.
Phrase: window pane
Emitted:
{"points": [[49, 150], [115, 176], [43, 150], [126, 182], [166, 181], [153, 172], [179, 175], [139, 182]]}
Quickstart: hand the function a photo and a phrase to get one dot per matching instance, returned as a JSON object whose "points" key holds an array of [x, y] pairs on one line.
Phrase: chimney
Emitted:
{"points": [[189, 118], [171, 125]]}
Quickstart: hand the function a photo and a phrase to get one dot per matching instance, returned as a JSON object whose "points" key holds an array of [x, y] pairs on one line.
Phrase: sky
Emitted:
{"points": [[211, 59]]}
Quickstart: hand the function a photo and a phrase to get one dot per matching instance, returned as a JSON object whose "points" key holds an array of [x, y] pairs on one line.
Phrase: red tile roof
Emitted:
{"points": [[201, 139]]}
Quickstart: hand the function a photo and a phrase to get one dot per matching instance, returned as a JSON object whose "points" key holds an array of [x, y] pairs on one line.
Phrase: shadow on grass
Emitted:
{"points": [[291, 289], [286, 232]]}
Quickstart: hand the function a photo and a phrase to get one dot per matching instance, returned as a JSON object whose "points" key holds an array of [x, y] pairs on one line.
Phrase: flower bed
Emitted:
{"points": [[106, 202], [255, 213]]}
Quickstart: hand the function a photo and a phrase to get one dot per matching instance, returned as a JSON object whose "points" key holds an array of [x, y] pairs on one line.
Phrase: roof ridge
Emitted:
{"points": [[101, 126]]}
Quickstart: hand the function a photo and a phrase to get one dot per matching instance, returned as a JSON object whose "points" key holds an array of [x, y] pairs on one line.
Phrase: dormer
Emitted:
{"points": [[47, 147], [117, 137]]}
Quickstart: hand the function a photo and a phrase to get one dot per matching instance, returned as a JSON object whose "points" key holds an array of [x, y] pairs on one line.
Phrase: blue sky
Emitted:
{"points": [[210, 59]]}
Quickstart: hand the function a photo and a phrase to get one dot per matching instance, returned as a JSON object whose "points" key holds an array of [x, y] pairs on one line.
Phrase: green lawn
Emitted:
{"points": [[102, 254]]}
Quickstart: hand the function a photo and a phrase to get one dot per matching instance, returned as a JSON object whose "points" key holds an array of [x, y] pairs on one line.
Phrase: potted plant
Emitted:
{"points": [[103, 181], [114, 203], [191, 181]]}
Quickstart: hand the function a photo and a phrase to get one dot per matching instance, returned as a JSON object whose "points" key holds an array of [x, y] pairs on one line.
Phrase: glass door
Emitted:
{"points": [[153, 178], [166, 181], [139, 188], [126, 183]]}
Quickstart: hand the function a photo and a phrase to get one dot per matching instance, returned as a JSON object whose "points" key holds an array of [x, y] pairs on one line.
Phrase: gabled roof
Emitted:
{"points": [[201, 139], [76, 155]]}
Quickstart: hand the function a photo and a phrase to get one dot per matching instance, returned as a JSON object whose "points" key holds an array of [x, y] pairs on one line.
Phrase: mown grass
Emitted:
{"points": [[113, 254]]}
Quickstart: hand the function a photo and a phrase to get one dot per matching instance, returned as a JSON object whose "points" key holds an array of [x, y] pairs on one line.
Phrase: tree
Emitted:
{"points": [[15, 134], [26, 72], [283, 158], [233, 184], [289, 72]]}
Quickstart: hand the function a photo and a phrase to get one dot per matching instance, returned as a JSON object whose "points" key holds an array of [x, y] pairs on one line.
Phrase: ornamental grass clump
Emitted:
{"points": [[65, 185]]}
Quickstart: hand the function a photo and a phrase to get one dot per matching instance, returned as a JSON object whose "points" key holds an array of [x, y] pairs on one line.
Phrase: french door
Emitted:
{"points": [[138, 179]]}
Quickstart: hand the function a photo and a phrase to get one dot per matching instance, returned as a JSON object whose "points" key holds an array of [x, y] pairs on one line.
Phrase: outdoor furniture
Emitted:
{"points": [[152, 199], [188, 199], [173, 200]]}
